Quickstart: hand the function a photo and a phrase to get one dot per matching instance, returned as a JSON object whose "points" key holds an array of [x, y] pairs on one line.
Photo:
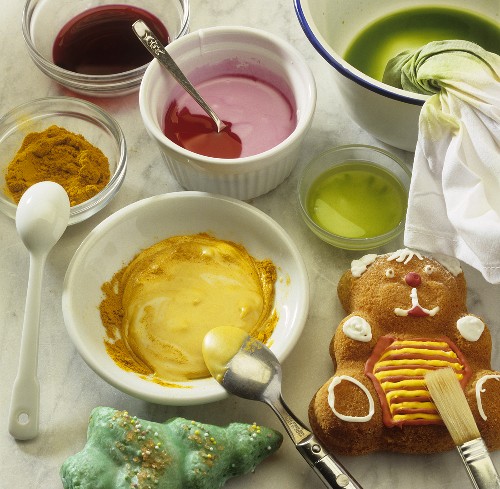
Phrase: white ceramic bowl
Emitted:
{"points": [[43, 19], [75, 115], [388, 113], [199, 54], [115, 241]]}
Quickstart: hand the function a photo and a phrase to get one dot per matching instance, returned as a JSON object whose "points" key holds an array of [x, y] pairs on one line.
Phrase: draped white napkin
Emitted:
{"points": [[454, 198]]}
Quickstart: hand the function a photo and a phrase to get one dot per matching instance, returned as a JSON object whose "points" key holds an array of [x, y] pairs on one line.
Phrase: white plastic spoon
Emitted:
{"points": [[41, 219]]}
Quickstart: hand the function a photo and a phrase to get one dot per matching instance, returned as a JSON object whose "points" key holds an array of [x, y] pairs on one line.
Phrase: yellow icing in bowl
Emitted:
{"points": [[174, 292]]}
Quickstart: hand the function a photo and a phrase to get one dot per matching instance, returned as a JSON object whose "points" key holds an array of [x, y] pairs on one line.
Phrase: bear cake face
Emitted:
{"points": [[404, 289], [407, 315]]}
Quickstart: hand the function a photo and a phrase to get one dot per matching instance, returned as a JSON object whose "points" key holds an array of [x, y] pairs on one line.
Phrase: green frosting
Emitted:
{"points": [[437, 64], [124, 452]]}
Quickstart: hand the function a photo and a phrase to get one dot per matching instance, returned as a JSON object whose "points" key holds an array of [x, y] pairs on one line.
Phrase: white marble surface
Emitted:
{"points": [[69, 389]]}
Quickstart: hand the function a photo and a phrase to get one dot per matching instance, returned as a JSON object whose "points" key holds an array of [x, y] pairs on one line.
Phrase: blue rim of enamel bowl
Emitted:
{"points": [[342, 69]]}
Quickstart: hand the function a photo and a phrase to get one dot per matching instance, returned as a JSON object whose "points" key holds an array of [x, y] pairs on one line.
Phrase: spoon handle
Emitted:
{"points": [[326, 466], [294, 427], [154, 46], [24, 406]]}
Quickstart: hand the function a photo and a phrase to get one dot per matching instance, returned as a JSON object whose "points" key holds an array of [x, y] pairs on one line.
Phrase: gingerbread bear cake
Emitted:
{"points": [[407, 314]]}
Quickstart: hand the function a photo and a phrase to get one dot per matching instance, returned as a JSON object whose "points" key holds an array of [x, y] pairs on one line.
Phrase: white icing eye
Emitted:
{"points": [[389, 273], [357, 329], [428, 269]]}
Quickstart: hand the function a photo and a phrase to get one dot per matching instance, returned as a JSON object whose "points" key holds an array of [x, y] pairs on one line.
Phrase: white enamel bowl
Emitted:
{"points": [[115, 241], [388, 113]]}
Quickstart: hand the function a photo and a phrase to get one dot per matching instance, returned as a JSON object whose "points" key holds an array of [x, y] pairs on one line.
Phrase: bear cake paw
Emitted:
{"points": [[124, 452], [407, 315]]}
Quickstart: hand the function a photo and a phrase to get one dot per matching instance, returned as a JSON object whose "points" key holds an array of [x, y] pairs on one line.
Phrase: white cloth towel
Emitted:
{"points": [[454, 198]]}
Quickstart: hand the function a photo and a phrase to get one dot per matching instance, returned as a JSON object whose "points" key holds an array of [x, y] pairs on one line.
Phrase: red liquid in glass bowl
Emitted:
{"points": [[258, 116], [100, 41]]}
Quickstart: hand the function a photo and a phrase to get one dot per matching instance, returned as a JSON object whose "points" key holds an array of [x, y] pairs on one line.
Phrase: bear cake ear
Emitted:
{"points": [[358, 267], [125, 451], [450, 263]]}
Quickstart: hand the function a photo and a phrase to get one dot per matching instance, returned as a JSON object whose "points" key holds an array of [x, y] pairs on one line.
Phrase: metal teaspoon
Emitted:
{"points": [[154, 46], [246, 368]]}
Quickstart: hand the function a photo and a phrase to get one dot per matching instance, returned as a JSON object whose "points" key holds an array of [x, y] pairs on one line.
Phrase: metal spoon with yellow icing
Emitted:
{"points": [[246, 368]]}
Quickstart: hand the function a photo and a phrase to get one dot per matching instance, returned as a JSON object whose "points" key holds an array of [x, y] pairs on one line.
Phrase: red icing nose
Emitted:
{"points": [[413, 279]]}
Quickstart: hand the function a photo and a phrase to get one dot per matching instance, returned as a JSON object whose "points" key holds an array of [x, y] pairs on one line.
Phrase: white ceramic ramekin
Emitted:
{"points": [[198, 54]]}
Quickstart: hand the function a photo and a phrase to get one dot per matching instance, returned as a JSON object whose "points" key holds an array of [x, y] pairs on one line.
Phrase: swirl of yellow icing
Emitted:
{"points": [[177, 290]]}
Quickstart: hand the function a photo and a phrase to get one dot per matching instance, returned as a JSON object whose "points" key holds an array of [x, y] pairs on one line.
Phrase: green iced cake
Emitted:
{"points": [[124, 452]]}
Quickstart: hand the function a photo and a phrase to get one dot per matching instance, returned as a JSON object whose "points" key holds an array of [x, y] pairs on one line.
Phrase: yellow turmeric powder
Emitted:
{"points": [[60, 156]]}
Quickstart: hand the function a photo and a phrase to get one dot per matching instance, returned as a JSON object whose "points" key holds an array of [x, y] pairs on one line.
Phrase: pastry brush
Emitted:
{"points": [[455, 412]]}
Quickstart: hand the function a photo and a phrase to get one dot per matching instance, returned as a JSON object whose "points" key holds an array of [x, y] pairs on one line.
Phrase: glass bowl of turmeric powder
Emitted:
{"points": [[65, 140]]}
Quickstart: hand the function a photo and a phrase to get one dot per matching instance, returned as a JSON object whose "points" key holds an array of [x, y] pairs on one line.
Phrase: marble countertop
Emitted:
{"points": [[70, 389]]}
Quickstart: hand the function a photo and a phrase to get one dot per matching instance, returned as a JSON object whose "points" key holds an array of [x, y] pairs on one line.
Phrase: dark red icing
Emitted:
{"points": [[417, 312], [413, 279]]}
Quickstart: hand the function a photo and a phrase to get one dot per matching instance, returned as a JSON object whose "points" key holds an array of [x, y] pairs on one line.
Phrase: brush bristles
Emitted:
{"points": [[452, 405]]}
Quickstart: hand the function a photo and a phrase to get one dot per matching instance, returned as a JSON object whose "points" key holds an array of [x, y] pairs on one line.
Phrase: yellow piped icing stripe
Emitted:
{"points": [[416, 417], [404, 384], [419, 344], [401, 394], [412, 405], [410, 372], [418, 352], [434, 363]]}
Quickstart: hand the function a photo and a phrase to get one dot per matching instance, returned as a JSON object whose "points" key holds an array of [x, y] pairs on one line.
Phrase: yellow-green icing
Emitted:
{"points": [[125, 452]]}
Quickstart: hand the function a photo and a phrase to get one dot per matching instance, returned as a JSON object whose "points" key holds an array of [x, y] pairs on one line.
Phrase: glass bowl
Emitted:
{"points": [[355, 196], [42, 21], [77, 116]]}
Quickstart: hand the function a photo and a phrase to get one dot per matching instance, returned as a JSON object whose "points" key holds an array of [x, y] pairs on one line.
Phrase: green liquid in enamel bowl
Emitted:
{"points": [[357, 200], [373, 47]]}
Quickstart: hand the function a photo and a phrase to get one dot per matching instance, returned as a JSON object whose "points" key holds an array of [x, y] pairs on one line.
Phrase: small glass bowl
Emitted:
{"points": [[359, 155], [43, 19], [75, 115]]}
